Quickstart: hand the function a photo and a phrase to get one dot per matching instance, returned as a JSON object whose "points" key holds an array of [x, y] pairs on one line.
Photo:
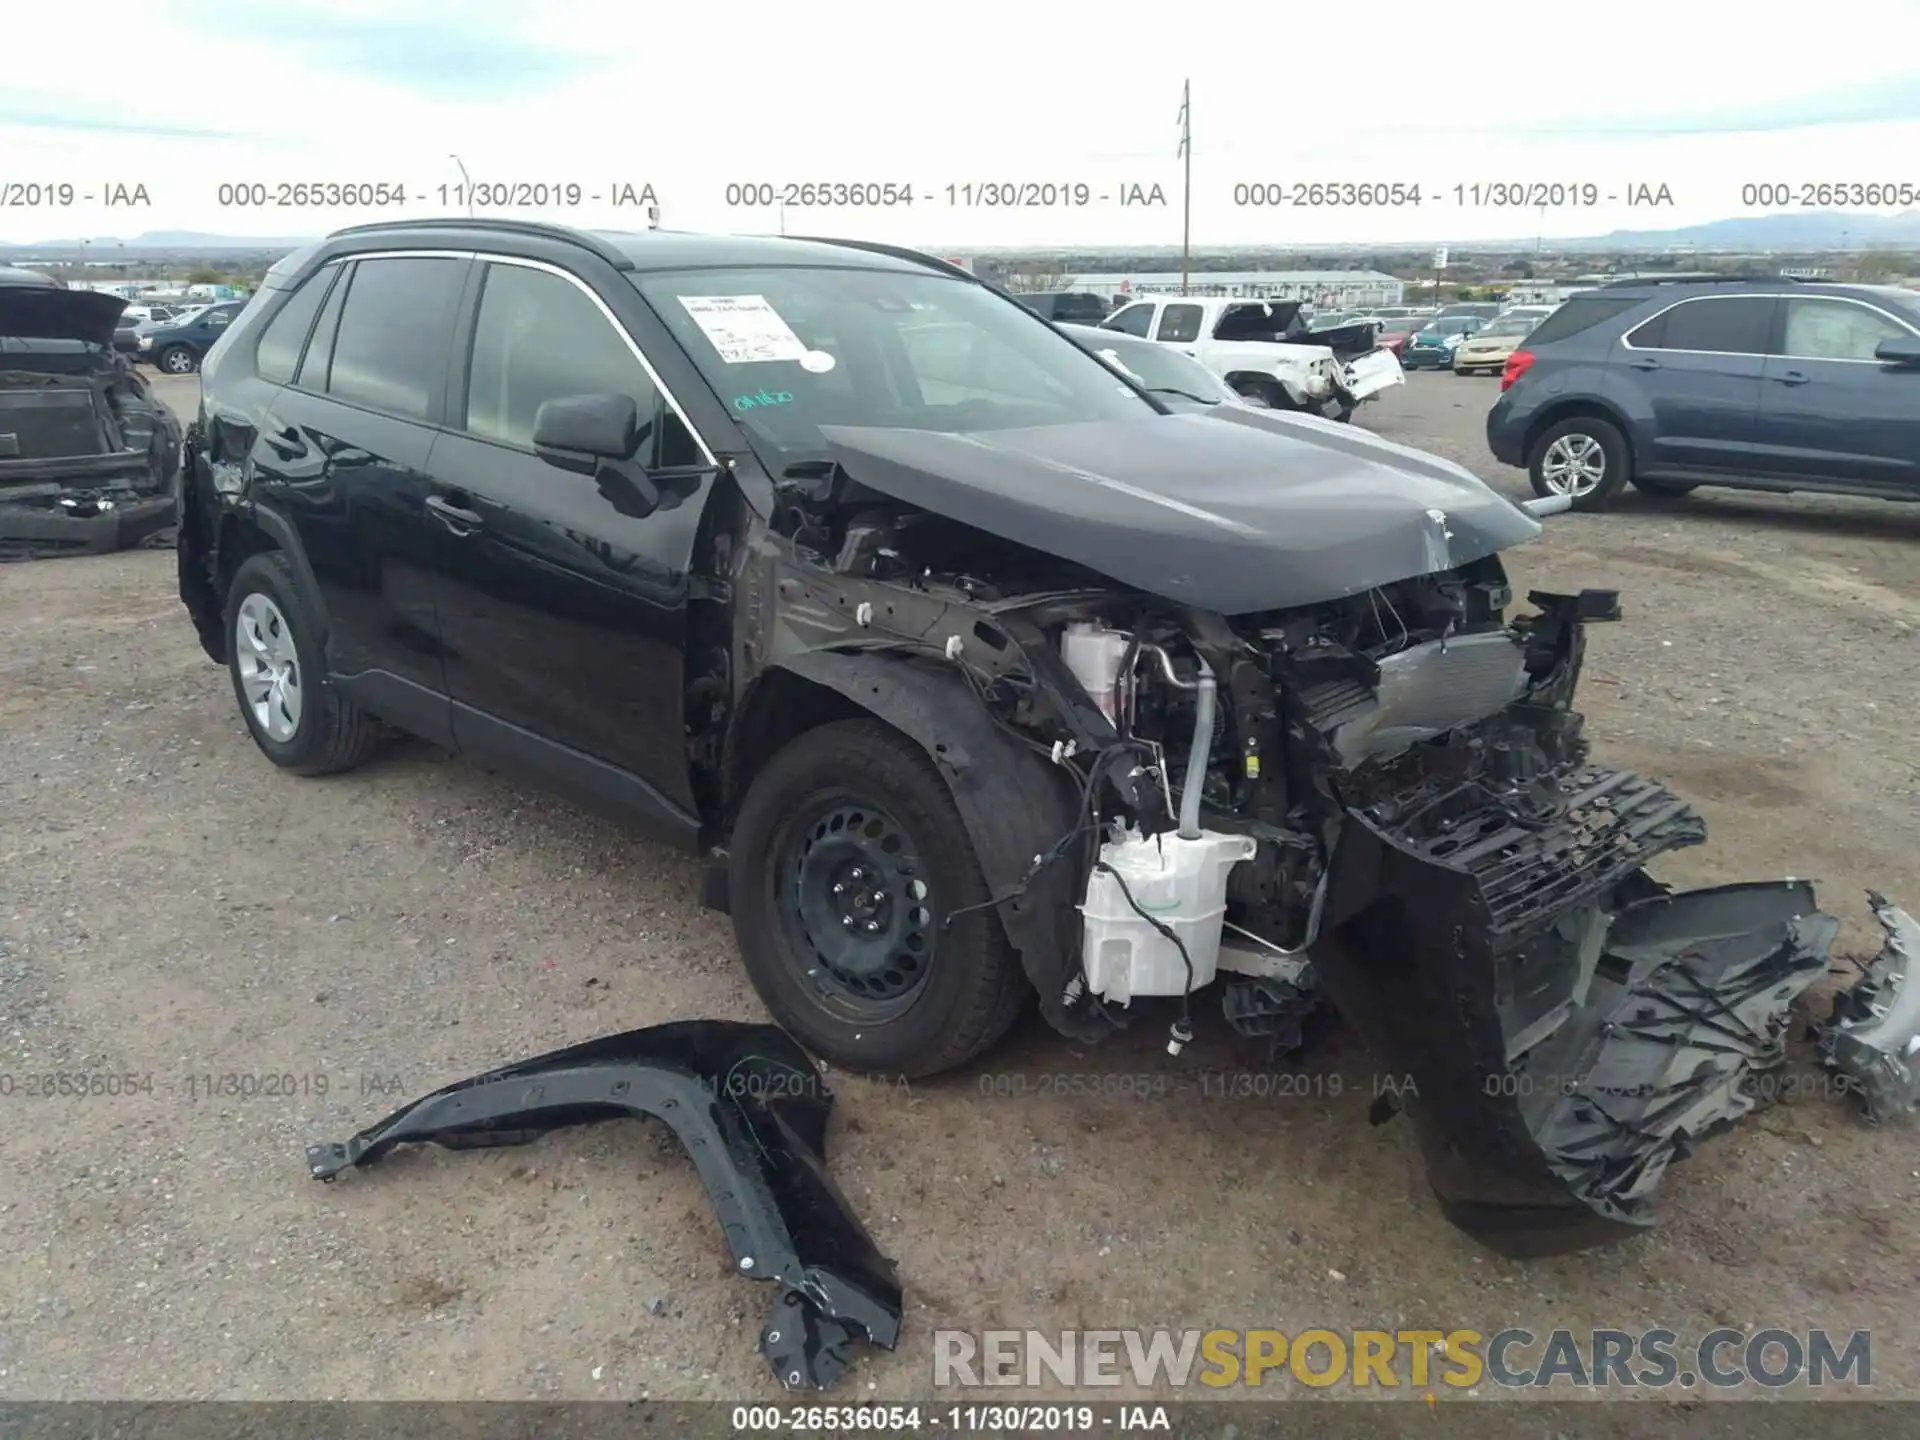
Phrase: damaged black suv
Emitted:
{"points": [[981, 676]]}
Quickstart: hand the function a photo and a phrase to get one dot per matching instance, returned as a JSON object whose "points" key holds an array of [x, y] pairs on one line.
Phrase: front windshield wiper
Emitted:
{"points": [[1183, 394]]}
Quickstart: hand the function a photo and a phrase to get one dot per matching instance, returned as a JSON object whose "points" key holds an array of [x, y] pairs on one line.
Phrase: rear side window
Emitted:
{"points": [[1133, 320], [286, 334], [1577, 315], [391, 339], [319, 356], [1730, 325], [1180, 323]]}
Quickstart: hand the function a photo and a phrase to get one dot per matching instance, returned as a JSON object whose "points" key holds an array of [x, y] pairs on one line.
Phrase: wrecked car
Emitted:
{"points": [[88, 453], [1266, 350], [982, 678]]}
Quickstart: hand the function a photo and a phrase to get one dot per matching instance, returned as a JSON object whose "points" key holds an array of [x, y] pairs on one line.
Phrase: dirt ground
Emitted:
{"points": [[173, 908]]}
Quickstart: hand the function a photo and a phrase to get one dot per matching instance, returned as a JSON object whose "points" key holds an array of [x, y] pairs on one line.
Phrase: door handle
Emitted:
{"points": [[1645, 363], [1793, 377], [286, 443], [459, 521]]}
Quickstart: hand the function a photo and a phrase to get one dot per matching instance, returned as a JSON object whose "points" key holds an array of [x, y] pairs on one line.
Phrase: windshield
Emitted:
{"points": [[1508, 325], [789, 350], [1453, 325], [1156, 367]]}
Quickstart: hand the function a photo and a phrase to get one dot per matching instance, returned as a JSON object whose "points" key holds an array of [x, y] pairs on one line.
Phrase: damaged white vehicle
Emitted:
{"points": [[1266, 351]]}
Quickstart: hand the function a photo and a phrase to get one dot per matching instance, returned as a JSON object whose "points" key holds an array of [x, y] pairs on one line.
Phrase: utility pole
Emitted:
{"points": [[1186, 184]]}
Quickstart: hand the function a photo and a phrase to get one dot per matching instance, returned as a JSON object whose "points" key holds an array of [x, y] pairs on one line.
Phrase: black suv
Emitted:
{"points": [[1757, 383], [831, 562]]}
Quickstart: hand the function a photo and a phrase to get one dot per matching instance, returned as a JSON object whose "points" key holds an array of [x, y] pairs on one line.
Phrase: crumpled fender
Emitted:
{"points": [[751, 1110], [1013, 803]]}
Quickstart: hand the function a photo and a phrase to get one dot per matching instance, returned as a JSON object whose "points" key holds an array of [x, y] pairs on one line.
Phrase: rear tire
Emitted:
{"points": [[177, 360], [857, 805], [299, 719], [1583, 455], [1270, 391]]}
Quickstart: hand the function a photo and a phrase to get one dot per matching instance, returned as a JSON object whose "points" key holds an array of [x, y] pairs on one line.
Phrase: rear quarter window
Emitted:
{"points": [[1578, 315]]}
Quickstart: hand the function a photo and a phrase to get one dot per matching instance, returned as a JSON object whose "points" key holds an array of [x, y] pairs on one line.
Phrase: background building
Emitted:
{"points": [[1339, 289]]}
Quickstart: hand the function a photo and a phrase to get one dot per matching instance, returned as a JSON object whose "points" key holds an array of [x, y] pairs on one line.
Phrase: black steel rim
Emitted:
{"points": [[858, 908]]}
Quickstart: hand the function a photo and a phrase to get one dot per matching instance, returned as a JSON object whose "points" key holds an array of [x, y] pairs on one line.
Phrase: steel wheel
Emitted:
{"points": [[1575, 464], [269, 667], [857, 907]]}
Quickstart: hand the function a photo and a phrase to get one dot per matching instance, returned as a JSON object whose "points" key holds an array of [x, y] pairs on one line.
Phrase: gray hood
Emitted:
{"points": [[1232, 512]]}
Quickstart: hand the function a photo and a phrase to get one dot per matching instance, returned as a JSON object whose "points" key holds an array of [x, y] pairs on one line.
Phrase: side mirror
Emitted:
{"points": [[1903, 350], [578, 432]]}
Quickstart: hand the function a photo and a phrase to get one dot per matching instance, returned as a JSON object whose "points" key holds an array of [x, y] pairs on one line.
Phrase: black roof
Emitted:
{"points": [[648, 250], [12, 275]]}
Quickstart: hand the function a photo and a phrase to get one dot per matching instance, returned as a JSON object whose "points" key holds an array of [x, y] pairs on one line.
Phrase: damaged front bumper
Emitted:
{"points": [[1562, 1026], [1368, 376], [751, 1110], [1872, 1038]]}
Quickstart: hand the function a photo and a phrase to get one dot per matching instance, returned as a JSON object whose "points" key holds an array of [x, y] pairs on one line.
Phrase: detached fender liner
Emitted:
{"points": [[1014, 804], [1567, 1026], [751, 1110]]}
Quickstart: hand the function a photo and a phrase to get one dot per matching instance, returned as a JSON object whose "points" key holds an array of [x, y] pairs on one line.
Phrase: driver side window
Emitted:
{"points": [[1133, 320], [539, 337]]}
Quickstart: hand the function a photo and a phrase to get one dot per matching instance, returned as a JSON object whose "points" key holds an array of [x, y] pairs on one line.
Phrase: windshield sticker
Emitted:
{"points": [[762, 400], [818, 362], [745, 329], [1112, 357]]}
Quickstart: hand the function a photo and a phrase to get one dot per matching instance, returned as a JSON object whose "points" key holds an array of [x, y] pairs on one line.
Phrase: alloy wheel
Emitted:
{"points": [[177, 362], [1574, 464], [269, 666]]}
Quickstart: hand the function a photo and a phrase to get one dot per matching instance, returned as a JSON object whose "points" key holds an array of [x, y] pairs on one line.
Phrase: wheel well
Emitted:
{"points": [[781, 707], [1242, 382], [239, 542], [1570, 410]]}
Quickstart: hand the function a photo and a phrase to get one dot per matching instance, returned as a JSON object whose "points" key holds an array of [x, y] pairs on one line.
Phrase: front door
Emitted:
{"points": [[563, 613], [1829, 409]]}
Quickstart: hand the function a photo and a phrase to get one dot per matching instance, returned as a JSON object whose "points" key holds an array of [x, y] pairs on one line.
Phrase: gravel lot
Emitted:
{"points": [[171, 907]]}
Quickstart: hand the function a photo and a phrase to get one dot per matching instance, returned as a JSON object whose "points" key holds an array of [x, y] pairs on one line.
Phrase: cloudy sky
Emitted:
{"points": [[1699, 96]]}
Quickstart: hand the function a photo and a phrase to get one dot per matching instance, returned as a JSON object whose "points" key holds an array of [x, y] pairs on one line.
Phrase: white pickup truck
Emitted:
{"points": [[1264, 350]]}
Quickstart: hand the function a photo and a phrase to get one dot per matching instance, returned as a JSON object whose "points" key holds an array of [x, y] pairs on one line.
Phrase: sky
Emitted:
{"points": [[210, 106]]}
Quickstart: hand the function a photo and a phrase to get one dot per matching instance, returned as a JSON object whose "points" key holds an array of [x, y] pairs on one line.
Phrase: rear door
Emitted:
{"points": [[1695, 369], [342, 454], [563, 609], [1828, 408]]}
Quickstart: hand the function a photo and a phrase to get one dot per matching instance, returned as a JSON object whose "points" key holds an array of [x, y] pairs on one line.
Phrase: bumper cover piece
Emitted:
{"points": [[1872, 1038], [1569, 1026], [751, 1110]]}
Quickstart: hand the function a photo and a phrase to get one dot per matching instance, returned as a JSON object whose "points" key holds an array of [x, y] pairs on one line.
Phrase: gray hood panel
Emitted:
{"points": [[1261, 513]]}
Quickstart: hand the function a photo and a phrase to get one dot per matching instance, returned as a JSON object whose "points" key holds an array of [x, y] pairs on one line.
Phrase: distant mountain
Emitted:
{"points": [[98, 247], [1799, 230]]}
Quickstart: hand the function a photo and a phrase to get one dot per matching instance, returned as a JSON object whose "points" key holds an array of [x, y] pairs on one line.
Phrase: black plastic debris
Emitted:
{"points": [[751, 1110], [1872, 1038]]}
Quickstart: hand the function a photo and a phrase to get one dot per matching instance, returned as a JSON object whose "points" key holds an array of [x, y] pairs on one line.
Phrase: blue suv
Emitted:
{"points": [[1755, 383]]}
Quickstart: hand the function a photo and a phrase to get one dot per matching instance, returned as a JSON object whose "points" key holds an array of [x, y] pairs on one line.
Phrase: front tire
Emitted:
{"points": [[848, 855], [295, 715], [1585, 457]]}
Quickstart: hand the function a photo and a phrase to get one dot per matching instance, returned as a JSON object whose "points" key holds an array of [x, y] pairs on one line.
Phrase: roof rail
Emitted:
{"points": [[539, 229], [1702, 279], [898, 252]]}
